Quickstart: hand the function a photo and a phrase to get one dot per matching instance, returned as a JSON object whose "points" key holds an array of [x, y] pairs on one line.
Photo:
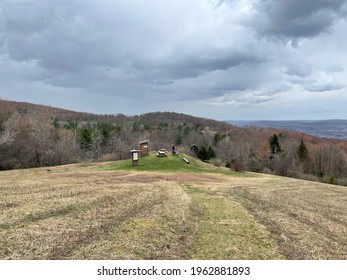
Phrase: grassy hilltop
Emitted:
{"points": [[166, 209], [171, 164]]}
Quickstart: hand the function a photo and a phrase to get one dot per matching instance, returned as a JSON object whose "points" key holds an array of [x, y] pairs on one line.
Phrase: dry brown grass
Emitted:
{"points": [[60, 215], [78, 212], [309, 220]]}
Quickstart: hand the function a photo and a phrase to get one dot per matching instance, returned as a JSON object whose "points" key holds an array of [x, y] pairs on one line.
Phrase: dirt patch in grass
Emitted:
{"points": [[132, 177]]}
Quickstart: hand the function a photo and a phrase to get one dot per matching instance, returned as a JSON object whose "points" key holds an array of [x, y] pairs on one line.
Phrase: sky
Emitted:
{"points": [[220, 59]]}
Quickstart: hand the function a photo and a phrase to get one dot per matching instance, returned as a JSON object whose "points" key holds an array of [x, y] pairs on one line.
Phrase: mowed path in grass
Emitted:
{"points": [[111, 211]]}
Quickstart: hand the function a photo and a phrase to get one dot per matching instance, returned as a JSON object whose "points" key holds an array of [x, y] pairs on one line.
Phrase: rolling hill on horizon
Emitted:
{"points": [[331, 128], [152, 118]]}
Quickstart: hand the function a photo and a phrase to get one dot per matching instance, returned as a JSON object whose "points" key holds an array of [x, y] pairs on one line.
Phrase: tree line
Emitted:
{"points": [[39, 138], [284, 154]]}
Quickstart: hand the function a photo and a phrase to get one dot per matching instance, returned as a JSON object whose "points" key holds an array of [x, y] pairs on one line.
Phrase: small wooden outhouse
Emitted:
{"points": [[144, 147]]}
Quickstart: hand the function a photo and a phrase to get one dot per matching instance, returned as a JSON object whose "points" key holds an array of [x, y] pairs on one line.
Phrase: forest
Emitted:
{"points": [[35, 135]]}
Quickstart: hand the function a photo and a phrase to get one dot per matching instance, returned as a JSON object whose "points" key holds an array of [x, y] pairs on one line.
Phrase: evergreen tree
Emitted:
{"points": [[210, 153], [178, 138], [71, 125], [203, 153], [206, 153], [217, 138], [275, 146], [86, 137], [302, 151], [56, 123]]}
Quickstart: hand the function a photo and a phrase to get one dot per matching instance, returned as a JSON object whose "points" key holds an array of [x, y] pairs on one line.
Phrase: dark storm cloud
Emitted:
{"points": [[193, 65], [296, 19], [53, 34], [164, 53], [89, 46], [65, 36]]}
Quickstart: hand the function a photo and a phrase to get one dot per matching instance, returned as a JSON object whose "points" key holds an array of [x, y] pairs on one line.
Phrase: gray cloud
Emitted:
{"points": [[54, 35], [194, 65], [298, 71], [71, 37], [296, 19], [154, 55], [322, 87]]}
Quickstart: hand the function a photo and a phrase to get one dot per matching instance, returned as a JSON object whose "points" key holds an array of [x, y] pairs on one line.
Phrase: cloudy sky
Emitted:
{"points": [[231, 59]]}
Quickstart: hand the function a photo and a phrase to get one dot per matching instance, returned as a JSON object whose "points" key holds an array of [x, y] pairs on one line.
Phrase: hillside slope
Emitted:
{"points": [[111, 211]]}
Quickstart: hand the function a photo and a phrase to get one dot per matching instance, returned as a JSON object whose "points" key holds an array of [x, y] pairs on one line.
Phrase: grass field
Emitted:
{"points": [[165, 209]]}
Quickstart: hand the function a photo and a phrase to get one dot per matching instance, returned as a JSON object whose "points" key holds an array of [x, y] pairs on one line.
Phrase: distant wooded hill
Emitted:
{"points": [[35, 135], [321, 128], [149, 119]]}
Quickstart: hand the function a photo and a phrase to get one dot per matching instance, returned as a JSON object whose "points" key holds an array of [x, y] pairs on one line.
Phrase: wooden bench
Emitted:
{"points": [[186, 161]]}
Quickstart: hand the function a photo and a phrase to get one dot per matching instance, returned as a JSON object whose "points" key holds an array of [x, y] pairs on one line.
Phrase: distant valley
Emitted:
{"points": [[322, 128]]}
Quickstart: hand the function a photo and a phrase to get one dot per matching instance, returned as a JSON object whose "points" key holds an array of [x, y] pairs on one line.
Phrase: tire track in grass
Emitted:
{"points": [[302, 230], [227, 231], [69, 245], [159, 232], [20, 240]]}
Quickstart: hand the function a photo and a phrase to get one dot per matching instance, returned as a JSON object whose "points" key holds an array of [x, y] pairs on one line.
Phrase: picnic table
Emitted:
{"points": [[162, 153]]}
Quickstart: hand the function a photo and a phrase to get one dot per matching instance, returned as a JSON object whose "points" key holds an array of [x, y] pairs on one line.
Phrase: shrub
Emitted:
{"points": [[206, 153], [238, 165], [332, 180]]}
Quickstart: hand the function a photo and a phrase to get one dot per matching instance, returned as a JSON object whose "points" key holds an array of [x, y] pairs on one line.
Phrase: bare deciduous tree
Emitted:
{"points": [[64, 148], [329, 160], [263, 154], [10, 129], [41, 138]]}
